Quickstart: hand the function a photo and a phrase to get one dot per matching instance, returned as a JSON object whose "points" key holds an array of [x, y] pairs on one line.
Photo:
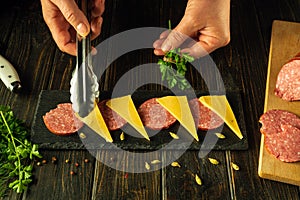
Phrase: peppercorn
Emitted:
{"points": [[38, 163], [67, 161], [54, 160], [76, 164], [72, 173], [44, 161], [86, 160]]}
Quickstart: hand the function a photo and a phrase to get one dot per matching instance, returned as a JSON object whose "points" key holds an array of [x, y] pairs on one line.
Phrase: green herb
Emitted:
{"points": [[173, 67], [15, 153]]}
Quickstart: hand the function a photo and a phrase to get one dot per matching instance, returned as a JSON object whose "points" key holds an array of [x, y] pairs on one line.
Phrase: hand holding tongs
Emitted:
{"points": [[84, 83]]}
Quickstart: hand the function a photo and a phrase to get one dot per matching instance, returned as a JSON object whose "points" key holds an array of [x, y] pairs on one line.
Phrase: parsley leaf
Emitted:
{"points": [[15, 152], [173, 68]]}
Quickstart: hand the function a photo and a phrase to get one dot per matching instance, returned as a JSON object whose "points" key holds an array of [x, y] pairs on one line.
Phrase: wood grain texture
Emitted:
{"points": [[121, 175], [285, 42], [180, 181], [54, 181], [25, 40]]}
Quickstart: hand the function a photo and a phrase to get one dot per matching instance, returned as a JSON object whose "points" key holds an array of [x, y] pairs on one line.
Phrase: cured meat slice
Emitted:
{"points": [[154, 116], [205, 118], [61, 120], [112, 119], [288, 80], [282, 134]]}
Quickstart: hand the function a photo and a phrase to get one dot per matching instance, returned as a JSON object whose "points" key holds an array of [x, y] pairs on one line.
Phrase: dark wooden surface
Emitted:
{"points": [[26, 41]]}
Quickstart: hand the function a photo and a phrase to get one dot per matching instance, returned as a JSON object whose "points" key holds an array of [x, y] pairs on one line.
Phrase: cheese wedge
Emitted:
{"points": [[178, 106], [125, 107], [220, 105], [96, 122]]}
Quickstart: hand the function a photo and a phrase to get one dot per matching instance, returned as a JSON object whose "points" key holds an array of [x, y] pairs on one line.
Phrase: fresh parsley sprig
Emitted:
{"points": [[15, 153], [173, 68]]}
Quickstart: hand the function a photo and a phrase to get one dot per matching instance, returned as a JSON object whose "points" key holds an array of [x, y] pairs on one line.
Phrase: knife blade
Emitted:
{"points": [[9, 75]]}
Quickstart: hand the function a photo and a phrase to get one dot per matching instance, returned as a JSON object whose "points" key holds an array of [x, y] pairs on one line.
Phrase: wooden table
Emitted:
{"points": [[26, 41]]}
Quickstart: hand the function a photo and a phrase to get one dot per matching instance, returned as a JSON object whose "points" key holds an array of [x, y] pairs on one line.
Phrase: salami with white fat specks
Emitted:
{"points": [[282, 134], [288, 80], [154, 116], [61, 120], [112, 120], [205, 118]]}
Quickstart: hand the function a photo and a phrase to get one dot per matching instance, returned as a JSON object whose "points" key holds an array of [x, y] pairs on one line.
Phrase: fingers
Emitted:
{"points": [[96, 25], [74, 16], [98, 8], [205, 45]]}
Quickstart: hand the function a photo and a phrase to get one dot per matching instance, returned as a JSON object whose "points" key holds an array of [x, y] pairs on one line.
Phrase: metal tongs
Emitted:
{"points": [[84, 84]]}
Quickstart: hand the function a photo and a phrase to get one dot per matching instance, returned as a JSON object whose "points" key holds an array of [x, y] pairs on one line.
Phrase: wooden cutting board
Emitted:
{"points": [[285, 44]]}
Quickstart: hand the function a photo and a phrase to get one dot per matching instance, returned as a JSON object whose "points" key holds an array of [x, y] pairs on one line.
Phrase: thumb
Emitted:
{"points": [[173, 40], [74, 16]]}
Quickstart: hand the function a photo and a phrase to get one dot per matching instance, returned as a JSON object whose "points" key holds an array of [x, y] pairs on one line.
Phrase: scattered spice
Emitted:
{"points": [[122, 136], [175, 164], [235, 166], [82, 135], [54, 160], [76, 164], [173, 135], [155, 162], [147, 166], [220, 135], [44, 161], [198, 180], [72, 173], [213, 161], [86, 160]]}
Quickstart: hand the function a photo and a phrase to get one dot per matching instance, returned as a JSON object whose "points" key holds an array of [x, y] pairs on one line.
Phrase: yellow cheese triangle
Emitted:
{"points": [[125, 107], [178, 106], [221, 106], [96, 122]]}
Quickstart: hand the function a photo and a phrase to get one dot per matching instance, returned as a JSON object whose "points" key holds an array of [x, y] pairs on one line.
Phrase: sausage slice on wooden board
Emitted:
{"points": [[205, 118], [154, 116], [61, 120], [112, 119], [282, 134], [288, 80]]}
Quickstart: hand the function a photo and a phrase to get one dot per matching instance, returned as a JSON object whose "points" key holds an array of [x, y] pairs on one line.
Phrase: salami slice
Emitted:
{"points": [[61, 120], [112, 119], [206, 118], [288, 80], [154, 116], [282, 134]]}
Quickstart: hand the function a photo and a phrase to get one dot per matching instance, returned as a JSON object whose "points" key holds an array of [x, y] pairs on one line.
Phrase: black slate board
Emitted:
{"points": [[48, 99]]}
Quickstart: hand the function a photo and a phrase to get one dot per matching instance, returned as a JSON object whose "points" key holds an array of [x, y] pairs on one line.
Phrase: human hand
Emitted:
{"points": [[64, 19], [204, 21]]}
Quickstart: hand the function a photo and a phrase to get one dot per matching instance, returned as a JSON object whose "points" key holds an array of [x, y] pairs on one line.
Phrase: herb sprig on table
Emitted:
{"points": [[16, 151], [173, 67]]}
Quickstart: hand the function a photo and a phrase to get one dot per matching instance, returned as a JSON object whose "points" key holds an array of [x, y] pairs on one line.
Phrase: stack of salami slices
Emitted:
{"points": [[282, 134]]}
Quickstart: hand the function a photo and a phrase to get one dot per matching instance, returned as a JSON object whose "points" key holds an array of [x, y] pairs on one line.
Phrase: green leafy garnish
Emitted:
{"points": [[15, 153], [173, 68]]}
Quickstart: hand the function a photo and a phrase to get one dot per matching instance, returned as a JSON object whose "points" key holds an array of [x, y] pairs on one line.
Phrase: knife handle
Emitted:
{"points": [[9, 75]]}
